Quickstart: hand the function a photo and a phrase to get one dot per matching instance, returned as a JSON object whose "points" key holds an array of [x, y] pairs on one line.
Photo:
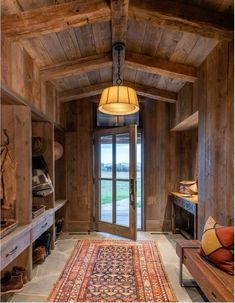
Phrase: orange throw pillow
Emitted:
{"points": [[217, 245]]}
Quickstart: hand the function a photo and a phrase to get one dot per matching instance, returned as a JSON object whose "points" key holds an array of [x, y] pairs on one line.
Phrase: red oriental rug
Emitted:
{"points": [[113, 271]]}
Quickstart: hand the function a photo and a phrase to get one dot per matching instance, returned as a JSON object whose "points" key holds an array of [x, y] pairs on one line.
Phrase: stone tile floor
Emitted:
{"points": [[46, 274]]}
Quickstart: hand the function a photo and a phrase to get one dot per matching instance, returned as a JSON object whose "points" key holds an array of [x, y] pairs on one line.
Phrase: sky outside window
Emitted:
{"points": [[106, 154]]}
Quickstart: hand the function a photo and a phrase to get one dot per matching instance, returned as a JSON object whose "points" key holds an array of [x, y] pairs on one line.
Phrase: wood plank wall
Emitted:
{"points": [[17, 121], [157, 165], [79, 164], [185, 141], [187, 160], [21, 74], [170, 157], [216, 137]]}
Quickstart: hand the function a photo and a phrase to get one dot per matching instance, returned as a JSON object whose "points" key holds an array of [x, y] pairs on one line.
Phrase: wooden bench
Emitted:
{"points": [[217, 285]]}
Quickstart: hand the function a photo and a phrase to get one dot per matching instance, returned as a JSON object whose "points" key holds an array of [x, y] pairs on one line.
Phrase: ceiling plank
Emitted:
{"points": [[54, 18], [96, 89], [76, 67], [119, 11], [161, 66], [184, 17]]}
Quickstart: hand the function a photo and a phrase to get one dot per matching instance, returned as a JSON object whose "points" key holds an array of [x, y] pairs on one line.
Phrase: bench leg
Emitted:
{"points": [[188, 282]]}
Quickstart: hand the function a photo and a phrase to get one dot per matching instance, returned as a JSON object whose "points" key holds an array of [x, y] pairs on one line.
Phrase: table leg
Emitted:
{"points": [[173, 215]]}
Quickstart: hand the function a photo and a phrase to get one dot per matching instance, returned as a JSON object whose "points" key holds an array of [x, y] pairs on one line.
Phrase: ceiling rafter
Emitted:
{"points": [[54, 18], [96, 89], [183, 17], [76, 67], [163, 67], [135, 61]]}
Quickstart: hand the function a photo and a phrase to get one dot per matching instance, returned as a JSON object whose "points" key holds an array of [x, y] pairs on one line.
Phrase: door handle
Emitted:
{"points": [[132, 193]]}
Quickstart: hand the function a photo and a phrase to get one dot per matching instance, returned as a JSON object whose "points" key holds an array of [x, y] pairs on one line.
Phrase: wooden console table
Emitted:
{"points": [[187, 203]]}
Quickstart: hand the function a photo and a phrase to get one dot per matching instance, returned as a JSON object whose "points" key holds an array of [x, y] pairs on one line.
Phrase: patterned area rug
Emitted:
{"points": [[113, 271]]}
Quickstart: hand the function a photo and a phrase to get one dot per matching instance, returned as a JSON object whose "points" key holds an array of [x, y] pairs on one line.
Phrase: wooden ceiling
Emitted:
{"points": [[71, 41]]}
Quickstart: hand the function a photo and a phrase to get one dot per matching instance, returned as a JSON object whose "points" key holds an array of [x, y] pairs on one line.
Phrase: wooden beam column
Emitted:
{"points": [[119, 9]]}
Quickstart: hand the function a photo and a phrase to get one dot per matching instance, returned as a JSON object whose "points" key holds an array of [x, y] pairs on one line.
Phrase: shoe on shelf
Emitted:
{"points": [[39, 255], [14, 284], [23, 271]]}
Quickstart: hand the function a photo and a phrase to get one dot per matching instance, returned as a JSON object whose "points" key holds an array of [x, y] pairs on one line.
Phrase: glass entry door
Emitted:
{"points": [[115, 181]]}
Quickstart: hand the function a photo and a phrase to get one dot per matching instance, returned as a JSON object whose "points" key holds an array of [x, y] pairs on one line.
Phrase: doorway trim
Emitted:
{"points": [[129, 232]]}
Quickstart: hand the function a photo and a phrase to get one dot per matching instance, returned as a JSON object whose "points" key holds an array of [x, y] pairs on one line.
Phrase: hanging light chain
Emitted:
{"points": [[119, 80], [119, 46]]}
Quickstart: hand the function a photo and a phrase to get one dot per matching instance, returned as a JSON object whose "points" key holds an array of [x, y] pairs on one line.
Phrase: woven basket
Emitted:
{"points": [[188, 187]]}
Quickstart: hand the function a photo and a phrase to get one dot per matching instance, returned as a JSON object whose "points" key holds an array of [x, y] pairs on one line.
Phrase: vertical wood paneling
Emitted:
{"points": [[156, 165], [216, 137], [17, 121], [187, 154], [21, 74], [80, 166], [230, 135]]}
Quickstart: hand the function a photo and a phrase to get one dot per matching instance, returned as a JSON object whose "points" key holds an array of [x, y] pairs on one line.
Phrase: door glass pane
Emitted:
{"points": [[106, 198], [106, 157], [122, 156], [122, 203]]}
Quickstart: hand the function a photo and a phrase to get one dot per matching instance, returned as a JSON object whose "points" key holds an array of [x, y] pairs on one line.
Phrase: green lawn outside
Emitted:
{"points": [[122, 189]]}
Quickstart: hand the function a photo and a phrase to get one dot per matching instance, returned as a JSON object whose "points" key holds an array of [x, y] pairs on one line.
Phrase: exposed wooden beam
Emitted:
{"points": [[153, 92], [160, 66], [133, 60], [142, 90], [75, 67], [119, 11], [54, 18], [184, 17], [83, 92]]}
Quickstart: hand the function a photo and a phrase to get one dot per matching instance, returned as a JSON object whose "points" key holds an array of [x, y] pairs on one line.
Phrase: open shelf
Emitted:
{"points": [[59, 204]]}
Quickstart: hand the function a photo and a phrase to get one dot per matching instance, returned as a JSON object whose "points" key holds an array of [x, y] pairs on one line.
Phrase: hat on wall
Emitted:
{"points": [[39, 146], [58, 150]]}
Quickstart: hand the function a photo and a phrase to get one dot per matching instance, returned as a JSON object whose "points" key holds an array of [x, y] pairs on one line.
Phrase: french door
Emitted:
{"points": [[115, 181]]}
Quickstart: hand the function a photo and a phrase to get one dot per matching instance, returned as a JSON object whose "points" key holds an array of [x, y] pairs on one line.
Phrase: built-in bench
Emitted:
{"points": [[217, 285]]}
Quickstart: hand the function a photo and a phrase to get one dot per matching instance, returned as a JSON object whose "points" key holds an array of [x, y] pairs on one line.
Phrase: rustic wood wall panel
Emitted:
{"points": [[79, 165], [170, 157], [157, 164], [21, 74], [49, 100], [188, 154], [17, 121], [216, 137]]}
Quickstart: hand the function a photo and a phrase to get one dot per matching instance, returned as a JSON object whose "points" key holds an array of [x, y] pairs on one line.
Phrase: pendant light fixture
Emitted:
{"points": [[118, 99]]}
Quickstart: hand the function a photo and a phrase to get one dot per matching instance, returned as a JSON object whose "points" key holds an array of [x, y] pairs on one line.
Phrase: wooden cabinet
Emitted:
{"points": [[14, 244], [42, 223]]}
